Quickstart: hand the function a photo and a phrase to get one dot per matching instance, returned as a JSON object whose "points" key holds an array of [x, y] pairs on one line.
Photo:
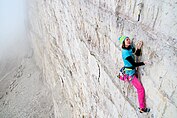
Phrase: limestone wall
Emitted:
{"points": [[75, 45]]}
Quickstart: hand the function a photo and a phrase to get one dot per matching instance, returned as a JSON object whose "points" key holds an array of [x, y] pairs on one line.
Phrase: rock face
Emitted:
{"points": [[75, 45]]}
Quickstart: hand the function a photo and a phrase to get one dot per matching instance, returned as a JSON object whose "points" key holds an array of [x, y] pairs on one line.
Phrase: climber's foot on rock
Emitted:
{"points": [[144, 110]]}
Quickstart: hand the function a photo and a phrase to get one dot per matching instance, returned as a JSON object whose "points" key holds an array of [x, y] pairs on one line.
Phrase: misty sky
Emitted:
{"points": [[12, 18], [12, 25]]}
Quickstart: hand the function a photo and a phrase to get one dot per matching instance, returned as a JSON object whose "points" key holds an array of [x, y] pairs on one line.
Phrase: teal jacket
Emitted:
{"points": [[129, 60]]}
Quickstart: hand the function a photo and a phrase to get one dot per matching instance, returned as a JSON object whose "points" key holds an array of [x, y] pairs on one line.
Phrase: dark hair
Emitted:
{"points": [[123, 44]]}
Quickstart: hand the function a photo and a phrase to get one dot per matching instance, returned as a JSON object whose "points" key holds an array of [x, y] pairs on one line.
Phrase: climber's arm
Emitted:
{"points": [[138, 52], [138, 48], [135, 64]]}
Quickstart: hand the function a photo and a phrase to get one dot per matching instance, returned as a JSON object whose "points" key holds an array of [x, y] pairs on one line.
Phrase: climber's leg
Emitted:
{"points": [[140, 90]]}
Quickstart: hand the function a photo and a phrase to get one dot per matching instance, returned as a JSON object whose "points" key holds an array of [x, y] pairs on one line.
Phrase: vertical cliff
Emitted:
{"points": [[75, 45]]}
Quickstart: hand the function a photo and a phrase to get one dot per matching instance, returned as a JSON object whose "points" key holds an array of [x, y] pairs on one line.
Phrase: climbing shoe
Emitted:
{"points": [[144, 110]]}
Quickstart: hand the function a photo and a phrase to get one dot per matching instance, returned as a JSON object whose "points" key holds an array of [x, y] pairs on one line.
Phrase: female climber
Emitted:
{"points": [[129, 69]]}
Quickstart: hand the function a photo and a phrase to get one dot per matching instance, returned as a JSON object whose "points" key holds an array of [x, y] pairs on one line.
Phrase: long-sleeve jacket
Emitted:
{"points": [[129, 60]]}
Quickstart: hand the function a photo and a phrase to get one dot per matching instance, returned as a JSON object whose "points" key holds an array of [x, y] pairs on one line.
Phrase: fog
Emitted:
{"points": [[13, 41], [12, 27]]}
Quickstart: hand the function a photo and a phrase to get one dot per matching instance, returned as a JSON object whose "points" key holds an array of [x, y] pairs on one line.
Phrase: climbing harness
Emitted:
{"points": [[123, 76]]}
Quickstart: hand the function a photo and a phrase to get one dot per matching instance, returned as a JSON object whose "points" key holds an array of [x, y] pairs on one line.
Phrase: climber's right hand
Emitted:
{"points": [[139, 45]]}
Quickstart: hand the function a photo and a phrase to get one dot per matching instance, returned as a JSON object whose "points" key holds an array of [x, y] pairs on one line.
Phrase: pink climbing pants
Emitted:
{"points": [[140, 90]]}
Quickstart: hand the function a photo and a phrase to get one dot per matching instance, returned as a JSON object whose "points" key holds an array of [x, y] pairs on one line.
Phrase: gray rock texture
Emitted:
{"points": [[76, 48]]}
